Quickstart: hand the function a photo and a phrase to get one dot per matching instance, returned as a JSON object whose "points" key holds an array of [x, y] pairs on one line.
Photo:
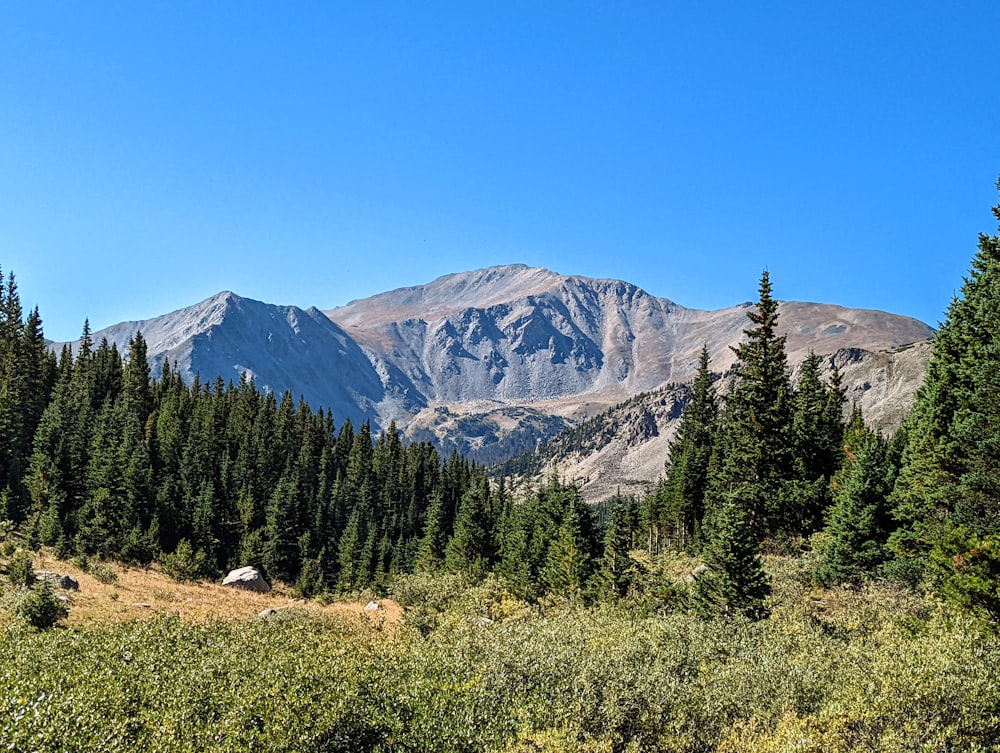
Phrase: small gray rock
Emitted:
{"points": [[696, 573], [373, 606]]}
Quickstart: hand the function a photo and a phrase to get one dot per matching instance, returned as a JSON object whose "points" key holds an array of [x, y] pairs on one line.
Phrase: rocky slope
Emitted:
{"points": [[519, 334], [625, 447], [280, 347], [495, 361]]}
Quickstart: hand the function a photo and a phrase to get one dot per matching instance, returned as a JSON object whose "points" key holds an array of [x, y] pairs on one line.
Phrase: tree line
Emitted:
{"points": [[100, 458]]}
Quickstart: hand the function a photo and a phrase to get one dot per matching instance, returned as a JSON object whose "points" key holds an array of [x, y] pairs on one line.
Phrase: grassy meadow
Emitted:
{"points": [[146, 663]]}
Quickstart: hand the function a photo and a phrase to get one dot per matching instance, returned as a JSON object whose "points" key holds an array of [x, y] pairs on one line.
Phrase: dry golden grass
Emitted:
{"points": [[142, 593]]}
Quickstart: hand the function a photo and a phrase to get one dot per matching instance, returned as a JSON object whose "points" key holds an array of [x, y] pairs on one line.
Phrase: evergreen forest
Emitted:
{"points": [[685, 618]]}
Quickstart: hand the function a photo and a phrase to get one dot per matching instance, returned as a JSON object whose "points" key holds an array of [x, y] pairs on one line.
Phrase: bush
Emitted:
{"points": [[830, 669], [41, 608], [21, 570], [184, 564], [103, 572]]}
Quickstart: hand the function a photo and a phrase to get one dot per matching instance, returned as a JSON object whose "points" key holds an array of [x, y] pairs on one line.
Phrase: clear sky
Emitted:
{"points": [[153, 154]]}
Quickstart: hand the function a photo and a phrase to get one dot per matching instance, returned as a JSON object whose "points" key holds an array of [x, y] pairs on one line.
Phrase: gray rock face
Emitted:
{"points": [[627, 445], [65, 582], [279, 347], [524, 335], [248, 579]]}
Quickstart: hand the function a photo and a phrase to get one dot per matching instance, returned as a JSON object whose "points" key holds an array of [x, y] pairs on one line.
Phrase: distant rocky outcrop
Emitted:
{"points": [[524, 336], [279, 347], [247, 579], [624, 448]]}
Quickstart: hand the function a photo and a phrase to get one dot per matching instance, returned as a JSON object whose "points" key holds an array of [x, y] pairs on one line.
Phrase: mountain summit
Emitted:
{"points": [[488, 361], [523, 334]]}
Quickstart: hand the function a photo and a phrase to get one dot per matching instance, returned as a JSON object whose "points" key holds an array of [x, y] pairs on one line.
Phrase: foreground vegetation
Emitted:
{"points": [[473, 669]]}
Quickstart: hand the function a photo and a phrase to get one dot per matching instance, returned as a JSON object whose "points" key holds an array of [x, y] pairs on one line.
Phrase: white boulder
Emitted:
{"points": [[247, 578]]}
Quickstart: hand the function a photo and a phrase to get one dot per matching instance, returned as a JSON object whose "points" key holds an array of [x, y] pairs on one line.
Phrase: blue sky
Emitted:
{"points": [[152, 154]]}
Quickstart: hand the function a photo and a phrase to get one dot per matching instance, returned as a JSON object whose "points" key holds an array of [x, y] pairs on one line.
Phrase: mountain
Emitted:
{"points": [[518, 334], [279, 347], [498, 360]]}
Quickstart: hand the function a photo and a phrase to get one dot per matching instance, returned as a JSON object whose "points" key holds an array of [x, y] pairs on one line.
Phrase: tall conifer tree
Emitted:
{"points": [[947, 499], [681, 501], [756, 441]]}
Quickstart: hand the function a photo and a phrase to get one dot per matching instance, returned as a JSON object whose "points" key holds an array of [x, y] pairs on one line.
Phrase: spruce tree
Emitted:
{"points": [[680, 502], [431, 549], [618, 569], [756, 447], [349, 554], [472, 549], [859, 523], [946, 499], [735, 582], [817, 432], [568, 563]]}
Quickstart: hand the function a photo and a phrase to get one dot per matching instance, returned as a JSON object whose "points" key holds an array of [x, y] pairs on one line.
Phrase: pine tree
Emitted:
{"points": [[859, 523], [946, 499], [735, 582], [472, 548], [756, 452], [678, 506], [349, 554], [568, 563], [618, 569], [817, 432], [135, 380], [281, 551], [431, 550]]}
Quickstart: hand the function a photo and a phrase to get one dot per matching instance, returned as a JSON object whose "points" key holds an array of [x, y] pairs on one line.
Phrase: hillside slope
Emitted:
{"points": [[625, 447], [517, 334]]}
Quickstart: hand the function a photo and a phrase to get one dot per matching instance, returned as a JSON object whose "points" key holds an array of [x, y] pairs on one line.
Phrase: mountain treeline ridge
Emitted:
{"points": [[101, 459]]}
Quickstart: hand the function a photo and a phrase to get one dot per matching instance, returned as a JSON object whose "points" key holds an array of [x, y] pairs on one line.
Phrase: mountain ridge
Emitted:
{"points": [[509, 354]]}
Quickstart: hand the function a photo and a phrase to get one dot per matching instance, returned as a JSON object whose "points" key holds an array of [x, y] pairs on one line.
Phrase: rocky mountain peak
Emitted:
{"points": [[524, 349]]}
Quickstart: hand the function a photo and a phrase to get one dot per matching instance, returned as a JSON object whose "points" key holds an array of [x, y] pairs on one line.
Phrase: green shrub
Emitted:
{"points": [[21, 570], [836, 669], [183, 564], [41, 608], [103, 572]]}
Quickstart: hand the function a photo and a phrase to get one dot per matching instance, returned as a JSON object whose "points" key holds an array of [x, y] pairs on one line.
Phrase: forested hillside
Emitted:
{"points": [[102, 459]]}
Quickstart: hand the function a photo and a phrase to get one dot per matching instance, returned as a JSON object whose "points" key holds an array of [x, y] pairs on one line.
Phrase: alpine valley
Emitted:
{"points": [[500, 361]]}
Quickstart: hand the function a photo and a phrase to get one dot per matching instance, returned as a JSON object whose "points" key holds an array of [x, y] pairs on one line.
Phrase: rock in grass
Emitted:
{"points": [[247, 578], [65, 582]]}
